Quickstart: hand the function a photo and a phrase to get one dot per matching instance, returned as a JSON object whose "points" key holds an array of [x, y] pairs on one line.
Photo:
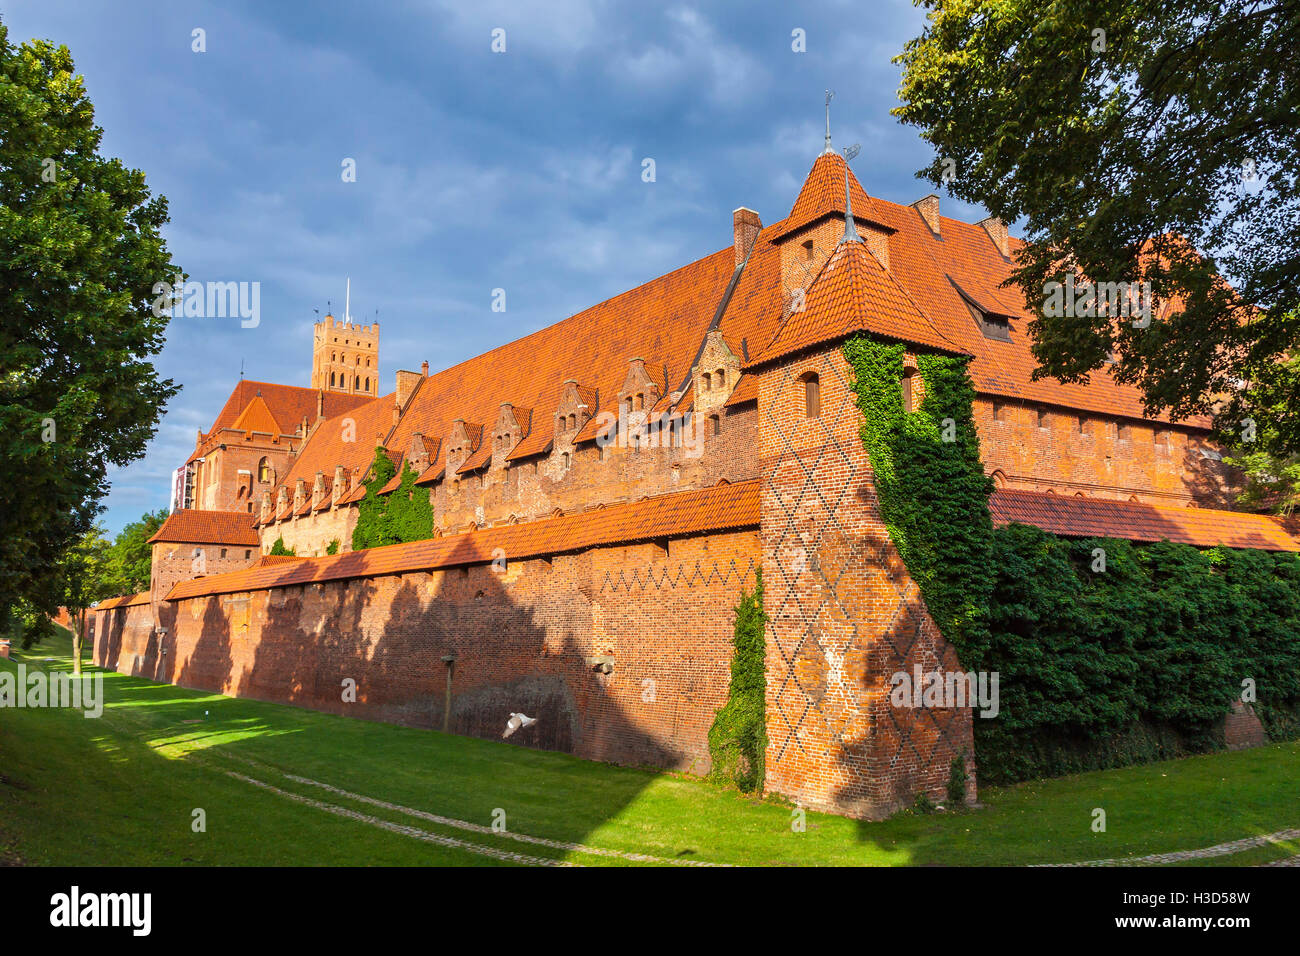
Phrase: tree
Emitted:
{"points": [[80, 253], [83, 579], [130, 557], [1141, 141]]}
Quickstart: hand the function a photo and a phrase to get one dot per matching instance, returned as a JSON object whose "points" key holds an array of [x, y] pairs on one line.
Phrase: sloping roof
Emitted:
{"points": [[257, 417], [288, 404], [1099, 518], [127, 600], [721, 508], [190, 526], [853, 293], [822, 195]]}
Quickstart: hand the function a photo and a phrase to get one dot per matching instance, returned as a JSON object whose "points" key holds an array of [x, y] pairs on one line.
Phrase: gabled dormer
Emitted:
{"points": [[575, 407], [511, 425], [639, 394], [462, 441], [716, 372]]}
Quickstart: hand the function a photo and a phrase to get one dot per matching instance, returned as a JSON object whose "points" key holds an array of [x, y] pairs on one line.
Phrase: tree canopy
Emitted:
{"points": [[80, 253], [1140, 141]]}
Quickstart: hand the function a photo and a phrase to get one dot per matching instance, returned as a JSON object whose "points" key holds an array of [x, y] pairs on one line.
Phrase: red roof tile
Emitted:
{"points": [[191, 526], [721, 508], [128, 600], [1100, 518]]}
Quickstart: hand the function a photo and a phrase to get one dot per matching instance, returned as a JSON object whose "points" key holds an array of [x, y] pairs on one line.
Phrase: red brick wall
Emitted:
{"points": [[522, 638], [1042, 448], [172, 562], [845, 615]]}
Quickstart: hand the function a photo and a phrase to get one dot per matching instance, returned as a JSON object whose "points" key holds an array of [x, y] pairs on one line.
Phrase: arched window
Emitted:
{"points": [[264, 471], [708, 381], [722, 378], [812, 395], [356, 382], [331, 379], [566, 460], [367, 383], [334, 357], [640, 401]]}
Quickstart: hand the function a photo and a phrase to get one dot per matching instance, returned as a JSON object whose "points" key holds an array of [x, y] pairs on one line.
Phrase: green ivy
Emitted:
{"points": [[279, 549], [738, 737], [405, 514], [930, 482], [333, 547], [1136, 662]]}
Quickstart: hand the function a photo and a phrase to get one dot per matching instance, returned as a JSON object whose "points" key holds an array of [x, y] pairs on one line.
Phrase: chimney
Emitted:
{"points": [[406, 383], [745, 227], [424, 369], [320, 404], [928, 207], [340, 485], [997, 230]]}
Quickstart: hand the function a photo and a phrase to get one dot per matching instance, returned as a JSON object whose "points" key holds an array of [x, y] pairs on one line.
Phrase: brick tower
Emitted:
{"points": [[345, 357]]}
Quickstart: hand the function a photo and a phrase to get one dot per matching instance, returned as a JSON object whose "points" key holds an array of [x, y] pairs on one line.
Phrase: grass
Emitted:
{"points": [[122, 790]]}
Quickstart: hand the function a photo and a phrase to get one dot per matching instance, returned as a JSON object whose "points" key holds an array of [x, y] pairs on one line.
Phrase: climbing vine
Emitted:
{"points": [[931, 485], [405, 514], [738, 737]]}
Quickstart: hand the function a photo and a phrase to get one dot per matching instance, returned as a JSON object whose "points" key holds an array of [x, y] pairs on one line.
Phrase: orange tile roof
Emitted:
{"points": [[822, 195], [725, 507], [854, 293], [257, 417], [191, 526], [128, 600], [1100, 518], [287, 405], [746, 390]]}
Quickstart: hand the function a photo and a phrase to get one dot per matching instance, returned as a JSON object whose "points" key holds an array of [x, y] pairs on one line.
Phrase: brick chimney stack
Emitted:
{"points": [[997, 230], [745, 227], [928, 207]]}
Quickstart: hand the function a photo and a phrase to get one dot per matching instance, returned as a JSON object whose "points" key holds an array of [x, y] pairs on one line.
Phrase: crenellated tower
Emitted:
{"points": [[345, 357]]}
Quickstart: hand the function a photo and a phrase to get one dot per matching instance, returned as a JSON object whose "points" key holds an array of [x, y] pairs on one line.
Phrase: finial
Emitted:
{"points": [[829, 150], [850, 230]]}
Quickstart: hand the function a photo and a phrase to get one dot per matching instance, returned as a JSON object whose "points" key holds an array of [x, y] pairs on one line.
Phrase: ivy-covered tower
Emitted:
{"points": [[845, 616]]}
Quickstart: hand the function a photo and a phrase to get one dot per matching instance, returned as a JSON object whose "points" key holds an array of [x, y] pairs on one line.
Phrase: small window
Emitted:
{"points": [[716, 422], [1125, 432], [808, 250], [356, 382], [223, 552], [1081, 424], [1044, 418], [910, 396], [367, 383], [999, 411], [332, 383], [995, 326], [708, 382], [264, 471], [722, 378], [566, 460], [812, 396]]}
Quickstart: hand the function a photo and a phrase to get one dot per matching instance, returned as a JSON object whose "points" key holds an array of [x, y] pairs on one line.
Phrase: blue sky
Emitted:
{"points": [[475, 170]]}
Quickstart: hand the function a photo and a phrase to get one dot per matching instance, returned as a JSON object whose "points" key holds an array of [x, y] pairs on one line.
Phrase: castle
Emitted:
{"points": [[604, 488]]}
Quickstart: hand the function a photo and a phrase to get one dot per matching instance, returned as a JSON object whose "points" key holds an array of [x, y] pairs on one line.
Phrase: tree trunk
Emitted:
{"points": [[78, 625]]}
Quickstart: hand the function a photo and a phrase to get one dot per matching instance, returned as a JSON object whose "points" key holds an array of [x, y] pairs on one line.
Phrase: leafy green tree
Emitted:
{"points": [[80, 254], [130, 558], [1140, 140]]}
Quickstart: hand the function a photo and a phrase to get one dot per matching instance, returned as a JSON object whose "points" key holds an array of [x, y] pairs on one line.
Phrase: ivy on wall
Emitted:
{"points": [[1136, 662], [930, 482], [1098, 668], [279, 548], [405, 514], [738, 737]]}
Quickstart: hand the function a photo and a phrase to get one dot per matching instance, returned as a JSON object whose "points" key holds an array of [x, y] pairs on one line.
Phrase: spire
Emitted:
{"points": [[829, 150], [850, 230]]}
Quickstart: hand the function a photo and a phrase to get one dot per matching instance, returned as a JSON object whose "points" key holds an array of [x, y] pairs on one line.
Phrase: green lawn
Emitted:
{"points": [[122, 789]]}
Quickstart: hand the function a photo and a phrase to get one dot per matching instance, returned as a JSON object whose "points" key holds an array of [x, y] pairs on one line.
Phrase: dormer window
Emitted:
{"points": [[994, 326]]}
